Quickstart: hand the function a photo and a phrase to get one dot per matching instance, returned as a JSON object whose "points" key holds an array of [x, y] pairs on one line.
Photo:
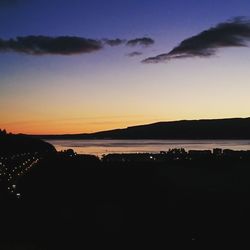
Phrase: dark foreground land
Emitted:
{"points": [[62, 200]]}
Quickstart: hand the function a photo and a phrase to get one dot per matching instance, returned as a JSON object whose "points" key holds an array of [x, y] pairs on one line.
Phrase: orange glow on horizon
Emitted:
{"points": [[117, 95], [71, 127], [43, 128]]}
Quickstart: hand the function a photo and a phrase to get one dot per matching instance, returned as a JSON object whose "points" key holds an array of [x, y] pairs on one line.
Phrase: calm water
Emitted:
{"points": [[100, 147]]}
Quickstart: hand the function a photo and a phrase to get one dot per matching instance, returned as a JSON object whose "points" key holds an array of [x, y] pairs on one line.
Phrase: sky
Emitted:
{"points": [[80, 66]]}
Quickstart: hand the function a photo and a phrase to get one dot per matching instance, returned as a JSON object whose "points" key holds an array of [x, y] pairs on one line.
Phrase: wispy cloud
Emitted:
{"points": [[233, 33], [60, 45], [146, 41], [114, 42], [135, 53], [40, 45]]}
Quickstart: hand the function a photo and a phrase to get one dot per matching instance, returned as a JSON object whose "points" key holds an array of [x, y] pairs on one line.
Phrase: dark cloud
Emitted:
{"points": [[135, 53], [114, 42], [40, 45], [61, 45], [233, 33], [146, 41]]}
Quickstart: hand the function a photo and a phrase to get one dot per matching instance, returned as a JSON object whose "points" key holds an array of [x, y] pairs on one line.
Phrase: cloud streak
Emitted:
{"points": [[135, 53], [61, 45], [233, 33], [41, 45], [146, 41], [114, 42]]}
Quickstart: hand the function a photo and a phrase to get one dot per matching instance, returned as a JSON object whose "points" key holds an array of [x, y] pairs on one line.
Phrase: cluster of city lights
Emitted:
{"points": [[14, 166]]}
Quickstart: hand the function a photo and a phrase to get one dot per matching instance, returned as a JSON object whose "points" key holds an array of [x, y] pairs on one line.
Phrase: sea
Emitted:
{"points": [[103, 147]]}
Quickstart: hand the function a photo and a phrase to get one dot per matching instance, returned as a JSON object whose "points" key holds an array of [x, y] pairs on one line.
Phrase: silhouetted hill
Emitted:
{"points": [[235, 128], [12, 144]]}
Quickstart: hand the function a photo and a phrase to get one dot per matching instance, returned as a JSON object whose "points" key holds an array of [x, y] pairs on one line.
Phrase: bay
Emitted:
{"points": [[100, 147]]}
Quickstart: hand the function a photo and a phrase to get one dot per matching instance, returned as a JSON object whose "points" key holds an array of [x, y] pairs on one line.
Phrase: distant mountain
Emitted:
{"points": [[235, 128]]}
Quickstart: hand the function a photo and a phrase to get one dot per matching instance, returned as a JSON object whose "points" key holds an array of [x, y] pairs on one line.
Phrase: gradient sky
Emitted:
{"points": [[106, 89]]}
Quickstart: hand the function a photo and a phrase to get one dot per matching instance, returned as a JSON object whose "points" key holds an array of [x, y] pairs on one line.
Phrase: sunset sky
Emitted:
{"points": [[63, 71]]}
